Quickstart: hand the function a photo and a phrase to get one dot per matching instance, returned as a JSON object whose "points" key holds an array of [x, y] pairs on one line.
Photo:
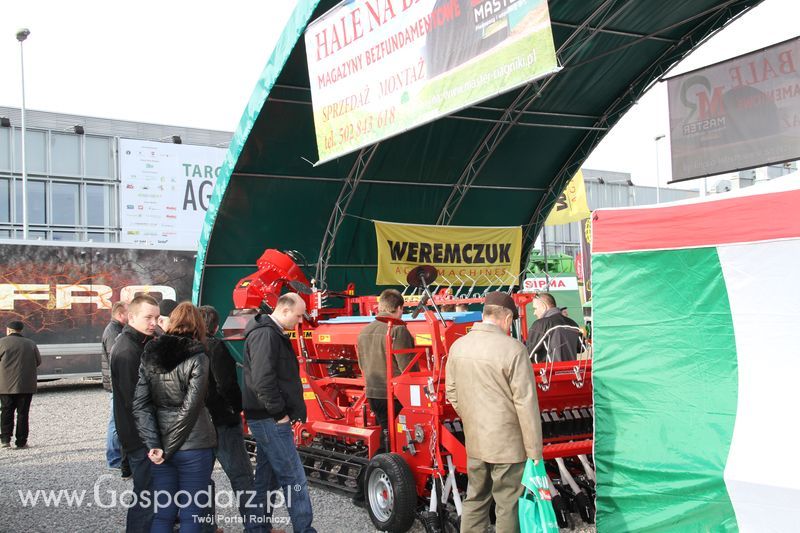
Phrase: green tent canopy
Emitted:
{"points": [[502, 162]]}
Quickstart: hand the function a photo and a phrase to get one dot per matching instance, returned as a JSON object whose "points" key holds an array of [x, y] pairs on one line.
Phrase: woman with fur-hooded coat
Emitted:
{"points": [[173, 422]]}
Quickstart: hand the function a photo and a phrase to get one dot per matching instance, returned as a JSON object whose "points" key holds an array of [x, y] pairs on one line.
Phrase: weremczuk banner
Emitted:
{"points": [[475, 256], [380, 67], [738, 114]]}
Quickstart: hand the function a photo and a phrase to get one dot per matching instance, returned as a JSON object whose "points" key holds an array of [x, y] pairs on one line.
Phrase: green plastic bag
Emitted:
{"points": [[536, 513]]}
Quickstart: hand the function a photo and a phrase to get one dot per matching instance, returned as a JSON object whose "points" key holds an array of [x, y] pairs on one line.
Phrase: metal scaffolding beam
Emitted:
{"points": [[340, 207], [514, 113], [619, 106]]}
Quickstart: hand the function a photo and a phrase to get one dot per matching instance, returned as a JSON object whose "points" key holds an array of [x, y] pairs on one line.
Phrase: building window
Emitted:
{"points": [[35, 151], [37, 202], [99, 159], [101, 237], [66, 200], [5, 200], [65, 236], [65, 154], [98, 205], [66, 204], [5, 149]]}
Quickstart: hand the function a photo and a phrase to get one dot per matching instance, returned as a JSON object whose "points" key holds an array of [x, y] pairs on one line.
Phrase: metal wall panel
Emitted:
{"points": [[616, 190]]}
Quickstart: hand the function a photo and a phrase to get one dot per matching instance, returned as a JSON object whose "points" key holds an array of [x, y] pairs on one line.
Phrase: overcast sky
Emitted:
{"points": [[195, 63]]}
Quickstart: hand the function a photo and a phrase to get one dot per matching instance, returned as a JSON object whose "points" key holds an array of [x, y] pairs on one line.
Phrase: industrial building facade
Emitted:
{"points": [[73, 172]]}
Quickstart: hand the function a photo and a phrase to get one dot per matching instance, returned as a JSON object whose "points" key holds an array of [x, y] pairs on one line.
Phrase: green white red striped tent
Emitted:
{"points": [[697, 365]]}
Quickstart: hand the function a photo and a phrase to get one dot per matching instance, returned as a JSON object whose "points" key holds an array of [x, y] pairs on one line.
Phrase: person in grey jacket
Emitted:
{"points": [[119, 317], [19, 358], [173, 422]]}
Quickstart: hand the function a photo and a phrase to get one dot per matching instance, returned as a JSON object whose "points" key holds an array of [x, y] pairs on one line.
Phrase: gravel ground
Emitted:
{"points": [[67, 453]]}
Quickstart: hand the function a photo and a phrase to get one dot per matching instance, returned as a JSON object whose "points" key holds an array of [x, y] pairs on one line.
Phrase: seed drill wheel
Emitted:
{"points": [[391, 493]]}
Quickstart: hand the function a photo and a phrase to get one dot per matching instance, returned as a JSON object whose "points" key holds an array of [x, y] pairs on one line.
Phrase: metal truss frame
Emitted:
{"points": [[665, 62], [512, 115], [346, 194]]}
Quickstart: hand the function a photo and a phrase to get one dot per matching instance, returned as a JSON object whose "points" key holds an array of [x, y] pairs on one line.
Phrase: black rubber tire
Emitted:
{"points": [[400, 517]]}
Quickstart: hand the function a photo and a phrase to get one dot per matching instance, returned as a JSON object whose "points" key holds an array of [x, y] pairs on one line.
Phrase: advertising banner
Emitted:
{"points": [[165, 191], [571, 205], [551, 284], [738, 114], [380, 67], [585, 259], [63, 294], [479, 256]]}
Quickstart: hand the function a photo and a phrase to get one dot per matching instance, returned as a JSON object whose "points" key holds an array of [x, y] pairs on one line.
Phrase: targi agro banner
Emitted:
{"points": [[380, 67], [164, 191], [739, 114], [473, 255]]}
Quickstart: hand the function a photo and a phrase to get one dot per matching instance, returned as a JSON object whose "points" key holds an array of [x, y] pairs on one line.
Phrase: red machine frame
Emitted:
{"points": [[341, 434]]}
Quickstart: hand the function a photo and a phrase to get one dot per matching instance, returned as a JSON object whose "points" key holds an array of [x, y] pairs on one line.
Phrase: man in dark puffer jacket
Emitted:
{"points": [[172, 418]]}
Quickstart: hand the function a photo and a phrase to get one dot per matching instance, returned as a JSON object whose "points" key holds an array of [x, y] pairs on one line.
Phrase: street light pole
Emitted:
{"points": [[21, 36], [658, 170]]}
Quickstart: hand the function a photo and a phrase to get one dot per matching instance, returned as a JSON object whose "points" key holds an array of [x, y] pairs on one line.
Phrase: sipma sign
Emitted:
{"points": [[63, 296], [555, 284]]}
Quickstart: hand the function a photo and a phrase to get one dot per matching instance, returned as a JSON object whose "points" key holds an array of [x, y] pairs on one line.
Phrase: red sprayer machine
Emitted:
{"points": [[422, 474]]}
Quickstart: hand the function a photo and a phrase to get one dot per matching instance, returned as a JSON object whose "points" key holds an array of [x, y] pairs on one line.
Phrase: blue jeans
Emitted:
{"points": [[182, 487], [278, 465], [113, 448], [140, 516], [232, 455]]}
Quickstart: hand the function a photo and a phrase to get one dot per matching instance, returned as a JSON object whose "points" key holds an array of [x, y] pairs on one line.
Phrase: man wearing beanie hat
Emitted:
{"points": [[165, 308], [491, 385], [19, 358]]}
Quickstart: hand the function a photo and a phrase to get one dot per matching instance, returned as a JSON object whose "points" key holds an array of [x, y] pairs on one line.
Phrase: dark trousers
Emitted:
{"points": [[380, 406], [232, 455], [9, 404], [140, 514]]}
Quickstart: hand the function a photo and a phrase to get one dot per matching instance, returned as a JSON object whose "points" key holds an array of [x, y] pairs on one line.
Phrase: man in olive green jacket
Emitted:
{"points": [[491, 385], [372, 354], [19, 358]]}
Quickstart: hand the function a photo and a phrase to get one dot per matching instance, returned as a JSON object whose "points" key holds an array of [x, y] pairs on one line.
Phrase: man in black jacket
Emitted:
{"points": [[563, 342], [19, 358], [224, 402], [272, 400], [125, 358], [119, 317]]}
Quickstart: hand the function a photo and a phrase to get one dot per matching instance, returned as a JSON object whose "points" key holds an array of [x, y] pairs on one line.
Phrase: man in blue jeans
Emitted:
{"points": [[272, 400], [119, 317], [224, 403], [125, 358]]}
